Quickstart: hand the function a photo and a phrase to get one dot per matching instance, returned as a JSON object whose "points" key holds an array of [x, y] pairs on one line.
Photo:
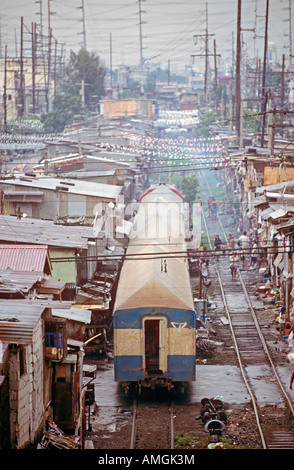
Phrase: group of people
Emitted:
{"points": [[240, 250]]}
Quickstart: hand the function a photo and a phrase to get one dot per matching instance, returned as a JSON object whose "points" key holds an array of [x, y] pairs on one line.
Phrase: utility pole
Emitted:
{"points": [[110, 60], [84, 24], [21, 71], [83, 92], [140, 11], [271, 131], [34, 66], [49, 71], [290, 36], [264, 93], [282, 95], [55, 68], [5, 95], [41, 22], [41, 35], [0, 37], [207, 54], [49, 85], [215, 78], [238, 69]]}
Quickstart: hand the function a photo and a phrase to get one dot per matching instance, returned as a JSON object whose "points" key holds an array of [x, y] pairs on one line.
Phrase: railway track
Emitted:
{"points": [[250, 345], [152, 425]]}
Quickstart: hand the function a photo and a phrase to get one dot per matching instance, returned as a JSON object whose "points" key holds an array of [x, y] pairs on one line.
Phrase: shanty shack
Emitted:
{"points": [[67, 246], [41, 369], [21, 373], [51, 198]]}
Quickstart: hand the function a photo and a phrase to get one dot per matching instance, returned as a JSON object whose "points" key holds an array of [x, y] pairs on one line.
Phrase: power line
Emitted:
{"points": [[189, 253]]}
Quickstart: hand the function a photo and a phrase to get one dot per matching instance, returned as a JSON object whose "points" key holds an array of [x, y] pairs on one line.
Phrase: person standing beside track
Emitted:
{"points": [[253, 259], [213, 209], [245, 245], [234, 261], [231, 242], [204, 269]]}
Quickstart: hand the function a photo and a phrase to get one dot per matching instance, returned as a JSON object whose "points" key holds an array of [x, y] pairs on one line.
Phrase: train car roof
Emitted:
{"points": [[162, 193], [155, 282], [161, 222]]}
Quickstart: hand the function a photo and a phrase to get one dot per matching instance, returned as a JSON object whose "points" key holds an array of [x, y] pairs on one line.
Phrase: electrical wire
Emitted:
{"points": [[188, 255]]}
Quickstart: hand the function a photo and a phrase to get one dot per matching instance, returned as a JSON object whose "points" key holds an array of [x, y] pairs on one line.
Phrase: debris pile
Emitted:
{"points": [[54, 438], [205, 347], [214, 418]]}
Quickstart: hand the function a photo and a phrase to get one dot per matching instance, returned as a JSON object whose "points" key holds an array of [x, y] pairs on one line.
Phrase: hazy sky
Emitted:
{"points": [[168, 27]]}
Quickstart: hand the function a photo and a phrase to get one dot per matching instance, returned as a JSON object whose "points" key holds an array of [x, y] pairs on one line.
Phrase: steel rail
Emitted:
{"points": [[253, 400], [257, 326], [134, 427], [262, 339], [134, 424], [171, 426]]}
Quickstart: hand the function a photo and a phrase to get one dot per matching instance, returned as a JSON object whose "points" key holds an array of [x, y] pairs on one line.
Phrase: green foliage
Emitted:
{"points": [[183, 439], [190, 187], [209, 118], [65, 106], [162, 75], [84, 66], [251, 120]]}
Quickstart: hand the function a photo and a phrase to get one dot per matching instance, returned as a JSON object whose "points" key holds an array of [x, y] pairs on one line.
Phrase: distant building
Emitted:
{"points": [[118, 109]]}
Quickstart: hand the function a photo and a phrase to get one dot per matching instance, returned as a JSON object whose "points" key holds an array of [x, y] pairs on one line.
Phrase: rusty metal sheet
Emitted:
{"points": [[24, 257]]}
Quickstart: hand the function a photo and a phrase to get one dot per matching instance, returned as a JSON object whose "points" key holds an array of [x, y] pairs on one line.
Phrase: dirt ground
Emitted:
{"points": [[241, 431]]}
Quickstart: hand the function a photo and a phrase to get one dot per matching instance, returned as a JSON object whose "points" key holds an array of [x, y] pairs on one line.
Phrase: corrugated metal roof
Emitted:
{"points": [[17, 324], [289, 223], [51, 287], [275, 187], [74, 186], [25, 258], [18, 280], [76, 314], [44, 232]]}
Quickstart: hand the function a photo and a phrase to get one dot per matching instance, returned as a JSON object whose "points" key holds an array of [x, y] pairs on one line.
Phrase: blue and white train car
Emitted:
{"points": [[154, 316]]}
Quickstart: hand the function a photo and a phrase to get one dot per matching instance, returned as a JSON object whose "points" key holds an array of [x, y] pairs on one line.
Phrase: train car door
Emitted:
{"points": [[155, 345]]}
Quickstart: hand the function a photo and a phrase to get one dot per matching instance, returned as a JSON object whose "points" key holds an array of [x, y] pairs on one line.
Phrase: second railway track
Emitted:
{"points": [[251, 347]]}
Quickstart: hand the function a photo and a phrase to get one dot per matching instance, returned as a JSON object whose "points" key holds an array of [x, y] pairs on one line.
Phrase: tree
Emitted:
{"points": [[190, 187], [64, 109], [208, 119], [84, 69]]}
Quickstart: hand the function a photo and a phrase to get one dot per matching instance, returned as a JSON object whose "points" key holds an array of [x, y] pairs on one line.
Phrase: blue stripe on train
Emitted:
{"points": [[132, 319], [130, 369]]}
